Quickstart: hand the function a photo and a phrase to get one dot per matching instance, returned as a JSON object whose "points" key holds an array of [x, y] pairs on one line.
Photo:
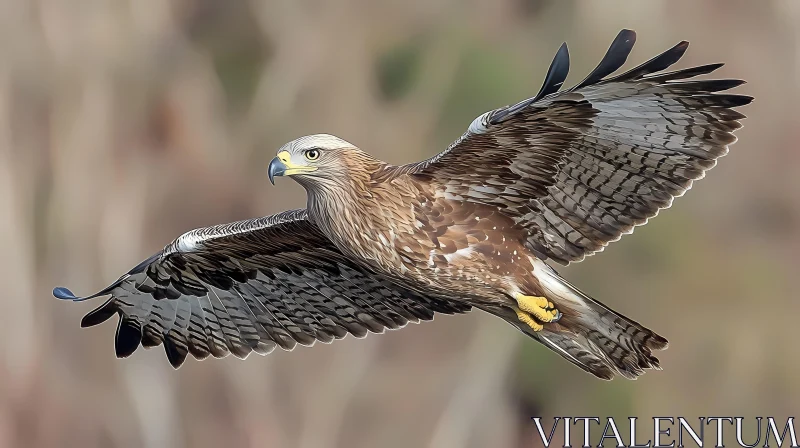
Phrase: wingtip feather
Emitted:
{"points": [[175, 356], [656, 64], [615, 57], [556, 74], [63, 293], [127, 338], [100, 314]]}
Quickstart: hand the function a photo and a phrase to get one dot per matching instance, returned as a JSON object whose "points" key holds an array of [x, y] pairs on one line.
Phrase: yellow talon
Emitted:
{"points": [[539, 307], [528, 320]]}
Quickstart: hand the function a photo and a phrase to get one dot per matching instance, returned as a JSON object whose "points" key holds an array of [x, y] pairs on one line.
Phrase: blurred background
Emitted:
{"points": [[125, 123]]}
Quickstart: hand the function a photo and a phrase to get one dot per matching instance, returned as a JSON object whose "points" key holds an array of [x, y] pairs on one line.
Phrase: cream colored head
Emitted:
{"points": [[314, 158], [318, 141]]}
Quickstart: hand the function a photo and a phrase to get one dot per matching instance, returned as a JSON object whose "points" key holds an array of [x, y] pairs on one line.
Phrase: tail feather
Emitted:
{"points": [[590, 335]]}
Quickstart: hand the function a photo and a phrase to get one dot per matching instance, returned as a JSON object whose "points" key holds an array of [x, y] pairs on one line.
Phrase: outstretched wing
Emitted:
{"points": [[251, 286], [581, 167]]}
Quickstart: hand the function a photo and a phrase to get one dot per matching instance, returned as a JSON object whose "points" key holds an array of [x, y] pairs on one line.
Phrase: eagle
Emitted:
{"points": [[551, 179]]}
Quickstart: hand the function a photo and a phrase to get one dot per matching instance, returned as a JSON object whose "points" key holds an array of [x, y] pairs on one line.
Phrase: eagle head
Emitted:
{"points": [[314, 159]]}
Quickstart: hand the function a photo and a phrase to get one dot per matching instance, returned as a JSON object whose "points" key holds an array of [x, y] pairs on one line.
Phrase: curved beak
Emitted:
{"points": [[282, 166], [276, 168]]}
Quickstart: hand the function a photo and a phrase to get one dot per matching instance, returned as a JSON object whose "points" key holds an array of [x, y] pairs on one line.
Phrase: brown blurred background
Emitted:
{"points": [[125, 123]]}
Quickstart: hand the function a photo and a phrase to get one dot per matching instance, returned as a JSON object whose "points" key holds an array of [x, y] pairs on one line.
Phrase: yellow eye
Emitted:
{"points": [[312, 154]]}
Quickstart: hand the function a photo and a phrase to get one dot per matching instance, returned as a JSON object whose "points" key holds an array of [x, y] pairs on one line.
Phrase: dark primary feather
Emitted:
{"points": [[579, 168], [658, 63], [556, 75], [252, 286], [614, 58]]}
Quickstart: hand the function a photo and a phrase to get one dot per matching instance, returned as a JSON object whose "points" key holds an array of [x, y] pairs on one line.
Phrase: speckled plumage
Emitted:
{"points": [[556, 177]]}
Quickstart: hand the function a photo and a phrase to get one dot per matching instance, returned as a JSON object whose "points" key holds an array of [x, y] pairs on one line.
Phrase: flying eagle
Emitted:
{"points": [[552, 178]]}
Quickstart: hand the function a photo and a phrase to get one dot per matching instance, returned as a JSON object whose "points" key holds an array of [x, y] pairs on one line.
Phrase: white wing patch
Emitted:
{"points": [[192, 241], [478, 125], [465, 252], [188, 242]]}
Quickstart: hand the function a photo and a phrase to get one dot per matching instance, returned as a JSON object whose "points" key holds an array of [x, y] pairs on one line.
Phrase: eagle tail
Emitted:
{"points": [[592, 336]]}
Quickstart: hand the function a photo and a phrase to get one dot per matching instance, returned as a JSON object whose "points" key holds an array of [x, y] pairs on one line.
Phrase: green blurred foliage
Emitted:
{"points": [[398, 69]]}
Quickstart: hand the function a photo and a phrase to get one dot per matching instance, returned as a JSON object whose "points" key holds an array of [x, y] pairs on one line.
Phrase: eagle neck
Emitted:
{"points": [[346, 211]]}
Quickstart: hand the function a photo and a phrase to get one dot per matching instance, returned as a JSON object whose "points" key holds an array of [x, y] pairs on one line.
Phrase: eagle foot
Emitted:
{"points": [[528, 320], [534, 311]]}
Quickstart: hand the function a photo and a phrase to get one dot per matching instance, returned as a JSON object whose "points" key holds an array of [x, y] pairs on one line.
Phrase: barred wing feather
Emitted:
{"points": [[252, 286], [581, 167]]}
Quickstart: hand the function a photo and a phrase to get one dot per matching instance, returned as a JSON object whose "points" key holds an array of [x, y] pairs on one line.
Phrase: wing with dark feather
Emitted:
{"points": [[252, 286], [581, 167]]}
